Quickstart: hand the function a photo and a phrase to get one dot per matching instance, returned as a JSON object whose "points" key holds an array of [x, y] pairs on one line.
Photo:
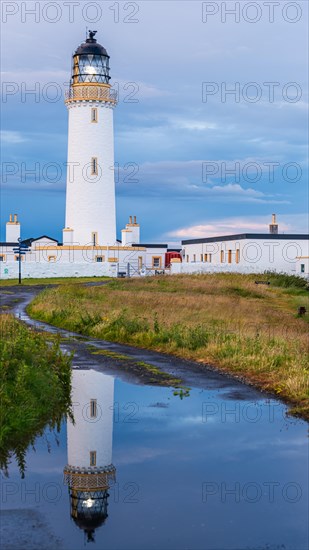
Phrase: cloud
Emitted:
{"points": [[12, 137], [288, 223], [133, 91], [185, 179], [192, 125], [138, 455]]}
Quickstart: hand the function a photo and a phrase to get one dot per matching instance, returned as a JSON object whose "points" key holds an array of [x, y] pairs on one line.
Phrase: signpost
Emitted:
{"points": [[20, 251]]}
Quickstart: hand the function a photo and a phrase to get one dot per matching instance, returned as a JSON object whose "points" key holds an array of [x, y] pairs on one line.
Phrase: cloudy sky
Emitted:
{"points": [[191, 158]]}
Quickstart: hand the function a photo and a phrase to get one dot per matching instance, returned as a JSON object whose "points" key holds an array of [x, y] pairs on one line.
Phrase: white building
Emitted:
{"points": [[244, 253], [90, 471]]}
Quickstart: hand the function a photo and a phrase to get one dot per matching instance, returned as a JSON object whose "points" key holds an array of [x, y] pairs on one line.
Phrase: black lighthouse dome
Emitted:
{"points": [[90, 63]]}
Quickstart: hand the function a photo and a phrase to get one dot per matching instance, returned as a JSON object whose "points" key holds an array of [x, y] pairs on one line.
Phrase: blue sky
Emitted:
{"points": [[184, 136]]}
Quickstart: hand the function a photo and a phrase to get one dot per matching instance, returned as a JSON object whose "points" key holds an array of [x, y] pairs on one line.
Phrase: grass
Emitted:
{"points": [[34, 388], [52, 281], [155, 375], [226, 320]]}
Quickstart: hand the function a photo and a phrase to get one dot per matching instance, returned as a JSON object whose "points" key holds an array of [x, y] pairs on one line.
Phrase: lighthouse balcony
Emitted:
{"points": [[91, 93], [90, 478]]}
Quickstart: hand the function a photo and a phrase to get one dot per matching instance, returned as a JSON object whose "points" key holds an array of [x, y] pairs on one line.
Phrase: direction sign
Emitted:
{"points": [[20, 251]]}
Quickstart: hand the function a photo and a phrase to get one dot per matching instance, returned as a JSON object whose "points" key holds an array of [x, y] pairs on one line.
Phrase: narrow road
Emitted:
{"points": [[124, 360]]}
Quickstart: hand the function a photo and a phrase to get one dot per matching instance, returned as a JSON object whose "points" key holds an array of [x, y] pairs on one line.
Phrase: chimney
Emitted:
{"points": [[134, 219], [273, 227], [130, 219], [12, 233]]}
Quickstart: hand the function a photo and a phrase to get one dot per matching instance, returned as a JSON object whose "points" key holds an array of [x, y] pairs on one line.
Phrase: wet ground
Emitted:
{"points": [[219, 466]]}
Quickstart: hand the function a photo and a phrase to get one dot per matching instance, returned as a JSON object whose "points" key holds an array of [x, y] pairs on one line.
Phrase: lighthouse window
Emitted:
{"points": [[94, 115], [94, 166], [222, 256], [93, 408], [93, 458], [237, 255], [302, 268], [229, 256]]}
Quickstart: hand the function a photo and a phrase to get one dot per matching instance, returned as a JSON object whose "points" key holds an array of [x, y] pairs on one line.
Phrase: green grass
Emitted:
{"points": [[111, 354], [225, 320], [34, 388], [52, 281], [156, 375]]}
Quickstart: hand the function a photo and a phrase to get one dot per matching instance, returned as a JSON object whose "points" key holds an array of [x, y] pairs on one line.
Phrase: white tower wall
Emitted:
{"points": [[90, 199], [91, 434]]}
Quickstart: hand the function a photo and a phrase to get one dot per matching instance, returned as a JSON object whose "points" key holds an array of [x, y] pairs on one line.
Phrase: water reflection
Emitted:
{"points": [[90, 472], [240, 465]]}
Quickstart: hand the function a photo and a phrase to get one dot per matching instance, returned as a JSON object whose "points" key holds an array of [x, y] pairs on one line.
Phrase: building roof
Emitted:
{"points": [[28, 242], [251, 236], [151, 245], [91, 46], [44, 237]]}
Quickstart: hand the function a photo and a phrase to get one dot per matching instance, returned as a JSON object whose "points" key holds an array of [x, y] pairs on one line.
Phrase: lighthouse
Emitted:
{"points": [[90, 217], [90, 472]]}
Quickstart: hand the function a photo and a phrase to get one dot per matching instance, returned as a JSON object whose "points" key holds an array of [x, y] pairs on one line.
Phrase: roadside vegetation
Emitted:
{"points": [[52, 281], [250, 330], [34, 389]]}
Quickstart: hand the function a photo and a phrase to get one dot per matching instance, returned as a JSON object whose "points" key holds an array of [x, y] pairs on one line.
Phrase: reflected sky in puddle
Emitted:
{"points": [[206, 471]]}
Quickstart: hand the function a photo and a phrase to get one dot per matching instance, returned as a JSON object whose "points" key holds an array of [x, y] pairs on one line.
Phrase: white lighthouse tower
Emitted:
{"points": [[90, 217], [90, 471]]}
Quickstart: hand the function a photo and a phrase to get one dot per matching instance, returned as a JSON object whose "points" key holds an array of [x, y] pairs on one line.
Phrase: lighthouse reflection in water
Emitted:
{"points": [[90, 472]]}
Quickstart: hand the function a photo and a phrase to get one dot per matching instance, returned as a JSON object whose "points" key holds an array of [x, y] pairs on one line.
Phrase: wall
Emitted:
{"points": [[155, 252], [302, 261], [90, 199], [38, 270], [88, 434], [254, 256], [199, 267]]}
